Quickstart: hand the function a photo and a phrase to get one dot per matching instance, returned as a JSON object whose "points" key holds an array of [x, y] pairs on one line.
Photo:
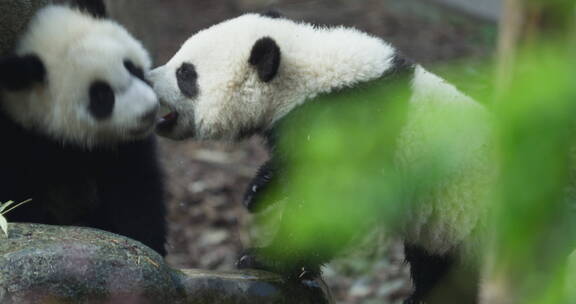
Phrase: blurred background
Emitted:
{"points": [[206, 180]]}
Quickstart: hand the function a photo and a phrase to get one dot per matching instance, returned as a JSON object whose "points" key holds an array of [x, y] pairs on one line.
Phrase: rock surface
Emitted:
{"points": [[52, 264]]}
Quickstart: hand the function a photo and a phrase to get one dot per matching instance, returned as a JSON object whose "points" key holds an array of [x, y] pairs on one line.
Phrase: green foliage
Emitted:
{"points": [[343, 150], [346, 173], [535, 199]]}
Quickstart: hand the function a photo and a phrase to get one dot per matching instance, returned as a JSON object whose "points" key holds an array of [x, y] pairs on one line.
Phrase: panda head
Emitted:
{"points": [[78, 79], [241, 76]]}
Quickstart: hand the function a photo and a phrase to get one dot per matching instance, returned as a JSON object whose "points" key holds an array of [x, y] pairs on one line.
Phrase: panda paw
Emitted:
{"points": [[249, 201], [257, 197], [254, 258], [411, 300], [260, 193], [299, 279]]}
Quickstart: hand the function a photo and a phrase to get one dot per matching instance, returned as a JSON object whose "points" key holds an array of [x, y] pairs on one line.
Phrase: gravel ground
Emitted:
{"points": [[207, 224]]}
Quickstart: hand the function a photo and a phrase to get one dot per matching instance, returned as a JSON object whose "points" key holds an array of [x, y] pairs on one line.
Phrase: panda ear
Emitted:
{"points": [[96, 8], [265, 57], [274, 14], [21, 72]]}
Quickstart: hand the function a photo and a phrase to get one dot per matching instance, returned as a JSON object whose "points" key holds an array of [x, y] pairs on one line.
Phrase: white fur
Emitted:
{"points": [[453, 212], [313, 61], [77, 50]]}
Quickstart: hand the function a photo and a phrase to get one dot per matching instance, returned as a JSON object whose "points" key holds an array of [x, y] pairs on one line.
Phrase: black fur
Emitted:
{"points": [[440, 278], [426, 271], [102, 100], [265, 56], [396, 83], [400, 65], [96, 8], [187, 78], [115, 189], [135, 70], [258, 193], [150, 117], [272, 14], [21, 72]]}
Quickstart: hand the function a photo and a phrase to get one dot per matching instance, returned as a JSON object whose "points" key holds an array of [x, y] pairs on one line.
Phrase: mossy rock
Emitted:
{"points": [[53, 264]]}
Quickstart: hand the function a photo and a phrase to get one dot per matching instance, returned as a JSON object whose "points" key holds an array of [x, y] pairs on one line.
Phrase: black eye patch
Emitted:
{"points": [[102, 100], [135, 70], [187, 80]]}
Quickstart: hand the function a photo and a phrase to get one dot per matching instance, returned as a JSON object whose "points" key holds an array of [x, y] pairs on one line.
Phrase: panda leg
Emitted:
{"points": [[296, 264], [258, 195], [264, 189], [440, 278], [283, 255]]}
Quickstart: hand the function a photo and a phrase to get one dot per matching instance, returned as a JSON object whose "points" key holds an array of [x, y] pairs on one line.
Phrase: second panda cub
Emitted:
{"points": [[77, 117], [263, 73]]}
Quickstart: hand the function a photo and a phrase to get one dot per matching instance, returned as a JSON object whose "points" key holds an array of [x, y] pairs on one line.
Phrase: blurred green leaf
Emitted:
{"points": [[5, 205], [344, 173]]}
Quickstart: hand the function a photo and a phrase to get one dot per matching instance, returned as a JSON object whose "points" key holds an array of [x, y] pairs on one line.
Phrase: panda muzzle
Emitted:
{"points": [[167, 122]]}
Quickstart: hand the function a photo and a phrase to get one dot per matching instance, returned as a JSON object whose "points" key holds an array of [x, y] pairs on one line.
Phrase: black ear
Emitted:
{"points": [[21, 72], [265, 57], [274, 14], [96, 8]]}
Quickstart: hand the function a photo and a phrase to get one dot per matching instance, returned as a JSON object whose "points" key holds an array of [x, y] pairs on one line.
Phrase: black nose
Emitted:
{"points": [[150, 116]]}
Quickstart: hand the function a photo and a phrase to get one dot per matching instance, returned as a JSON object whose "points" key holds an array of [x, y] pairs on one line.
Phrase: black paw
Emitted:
{"points": [[300, 279], [250, 198], [259, 193], [248, 260], [412, 300], [258, 198], [255, 258], [316, 290]]}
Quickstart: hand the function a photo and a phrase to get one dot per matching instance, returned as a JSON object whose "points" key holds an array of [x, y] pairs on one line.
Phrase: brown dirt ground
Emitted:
{"points": [[206, 181]]}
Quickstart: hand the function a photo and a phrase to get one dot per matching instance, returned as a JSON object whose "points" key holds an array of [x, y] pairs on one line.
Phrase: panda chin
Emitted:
{"points": [[140, 133]]}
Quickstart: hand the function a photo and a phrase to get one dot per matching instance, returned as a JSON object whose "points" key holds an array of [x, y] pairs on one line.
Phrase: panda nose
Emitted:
{"points": [[150, 116]]}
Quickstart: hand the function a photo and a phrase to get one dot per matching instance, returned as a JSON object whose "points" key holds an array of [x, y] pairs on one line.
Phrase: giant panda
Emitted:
{"points": [[260, 73], [76, 121]]}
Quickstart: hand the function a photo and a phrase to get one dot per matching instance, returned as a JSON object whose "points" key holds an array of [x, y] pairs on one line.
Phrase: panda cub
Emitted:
{"points": [[263, 73], [76, 118]]}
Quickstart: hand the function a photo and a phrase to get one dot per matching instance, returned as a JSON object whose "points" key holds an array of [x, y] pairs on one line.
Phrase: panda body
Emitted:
{"points": [[76, 119], [261, 74]]}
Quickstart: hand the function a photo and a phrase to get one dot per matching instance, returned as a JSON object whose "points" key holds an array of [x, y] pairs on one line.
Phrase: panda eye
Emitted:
{"points": [[135, 70], [102, 100], [187, 80]]}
